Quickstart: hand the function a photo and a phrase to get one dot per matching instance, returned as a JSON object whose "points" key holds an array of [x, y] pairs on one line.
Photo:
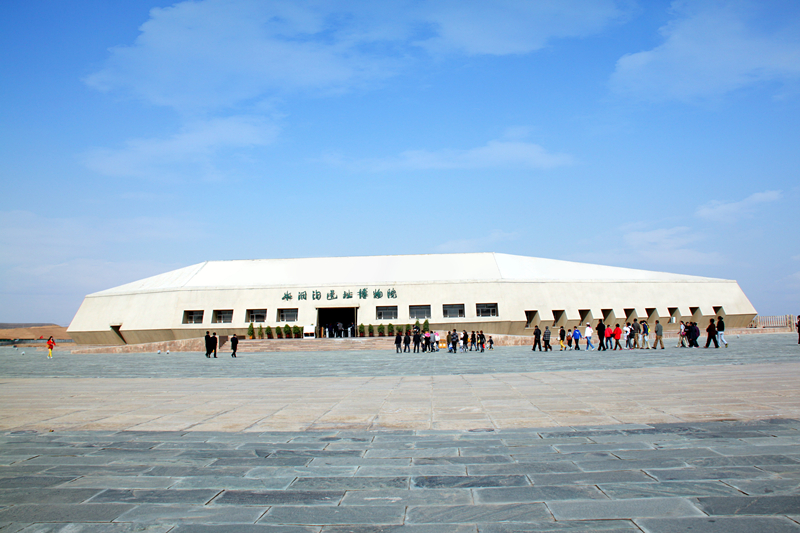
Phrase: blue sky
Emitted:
{"points": [[139, 137]]}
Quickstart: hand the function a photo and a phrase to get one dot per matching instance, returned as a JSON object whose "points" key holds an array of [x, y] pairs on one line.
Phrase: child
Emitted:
{"points": [[491, 343], [50, 345], [569, 339]]}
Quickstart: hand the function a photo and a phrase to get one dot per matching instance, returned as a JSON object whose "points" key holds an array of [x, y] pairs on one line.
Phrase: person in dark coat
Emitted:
{"points": [[406, 342], [416, 340], [398, 341], [546, 339], [208, 344], [712, 334], [214, 343], [234, 344], [537, 339], [601, 334]]}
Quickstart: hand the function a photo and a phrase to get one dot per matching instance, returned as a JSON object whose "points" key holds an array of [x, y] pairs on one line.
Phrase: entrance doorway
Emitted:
{"points": [[337, 321]]}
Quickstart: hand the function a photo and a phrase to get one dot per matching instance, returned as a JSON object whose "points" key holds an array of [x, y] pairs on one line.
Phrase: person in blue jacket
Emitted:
{"points": [[576, 336]]}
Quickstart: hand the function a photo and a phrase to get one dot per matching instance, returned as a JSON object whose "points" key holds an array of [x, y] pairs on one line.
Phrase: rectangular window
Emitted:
{"points": [[192, 317], [453, 310], [388, 312], [486, 309], [256, 315], [222, 317], [419, 311], [287, 315]]}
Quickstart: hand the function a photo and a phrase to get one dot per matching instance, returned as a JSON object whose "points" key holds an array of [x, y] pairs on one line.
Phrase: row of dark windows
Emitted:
{"points": [[386, 312]]}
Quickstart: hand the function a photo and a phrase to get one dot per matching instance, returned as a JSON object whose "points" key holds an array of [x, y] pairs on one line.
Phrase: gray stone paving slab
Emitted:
{"points": [[325, 471], [765, 487], [279, 497], [437, 482], [408, 497], [731, 472], [744, 460], [232, 482], [242, 528], [591, 478], [349, 483], [62, 512], [50, 495], [323, 515], [750, 505], [741, 524], [628, 509], [358, 461], [578, 526], [97, 528], [475, 460], [537, 494], [522, 468], [620, 491], [119, 482], [33, 481], [619, 464], [197, 496], [422, 470], [424, 528], [468, 514], [203, 514]]}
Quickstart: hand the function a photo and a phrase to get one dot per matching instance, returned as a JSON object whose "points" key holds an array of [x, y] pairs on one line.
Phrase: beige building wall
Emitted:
{"points": [[153, 309]]}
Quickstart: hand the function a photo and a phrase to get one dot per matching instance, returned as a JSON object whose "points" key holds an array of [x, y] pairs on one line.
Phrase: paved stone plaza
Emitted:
{"points": [[510, 440]]}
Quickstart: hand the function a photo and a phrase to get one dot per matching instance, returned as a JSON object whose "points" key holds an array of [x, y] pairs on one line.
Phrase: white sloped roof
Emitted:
{"points": [[431, 268]]}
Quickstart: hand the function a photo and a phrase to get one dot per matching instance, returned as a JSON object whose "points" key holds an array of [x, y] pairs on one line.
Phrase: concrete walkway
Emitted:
{"points": [[368, 442]]}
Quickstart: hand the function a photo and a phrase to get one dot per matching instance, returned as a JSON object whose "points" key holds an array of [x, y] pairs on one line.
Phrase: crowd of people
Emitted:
{"points": [[636, 336], [427, 341]]}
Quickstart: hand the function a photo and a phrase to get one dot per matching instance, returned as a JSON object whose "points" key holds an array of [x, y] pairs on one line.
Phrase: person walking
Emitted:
{"points": [[588, 334], [208, 344], [51, 343], [569, 339], [398, 342], [576, 336], [627, 331], [214, 343], [537, 339], [416, 340], [482, 341], [473, 341], [601, 335], [609, 337], [454, 341], [546, 339], [712, 334], [234, 344], [637, 333], [465, 341], [645, 335], [407, 342], [561, 337], [436, 341], [721, 332], [797, 327], [659, 336], [617, 337], [682, 336]]}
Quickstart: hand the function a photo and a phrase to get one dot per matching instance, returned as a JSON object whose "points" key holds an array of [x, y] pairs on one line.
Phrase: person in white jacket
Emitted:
{"points": [[588, 334]]}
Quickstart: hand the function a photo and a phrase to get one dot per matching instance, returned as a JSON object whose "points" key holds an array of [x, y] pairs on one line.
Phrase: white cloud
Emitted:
{"points": [[477, 244], [668, 246], [729, 212], [192, 151], [711, 48], [513, 27], [219, 53], [494, 154]]}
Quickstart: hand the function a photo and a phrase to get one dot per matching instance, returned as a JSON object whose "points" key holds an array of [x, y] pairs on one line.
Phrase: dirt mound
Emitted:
{"points": [[58, 332]]}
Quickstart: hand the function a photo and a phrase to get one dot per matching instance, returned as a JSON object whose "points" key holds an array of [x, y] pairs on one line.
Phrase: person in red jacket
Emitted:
{"points": [[50, 345], [617, 337]]}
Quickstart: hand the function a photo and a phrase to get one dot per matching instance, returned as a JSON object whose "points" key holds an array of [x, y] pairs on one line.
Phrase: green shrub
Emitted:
{"points": [[268, 331], [361, 329], [251, 332], [287, 331], [390, 329], [381, 329], [297, 331], [426, 326], [260, 332], [278, 332], [371, 330]]}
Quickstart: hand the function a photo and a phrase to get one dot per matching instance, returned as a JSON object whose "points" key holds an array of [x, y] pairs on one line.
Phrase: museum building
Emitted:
{"points": [[493, 292]]}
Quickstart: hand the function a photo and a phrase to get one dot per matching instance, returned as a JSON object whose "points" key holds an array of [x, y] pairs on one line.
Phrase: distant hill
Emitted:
{"points": [[34, 332], [9, 325]]}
